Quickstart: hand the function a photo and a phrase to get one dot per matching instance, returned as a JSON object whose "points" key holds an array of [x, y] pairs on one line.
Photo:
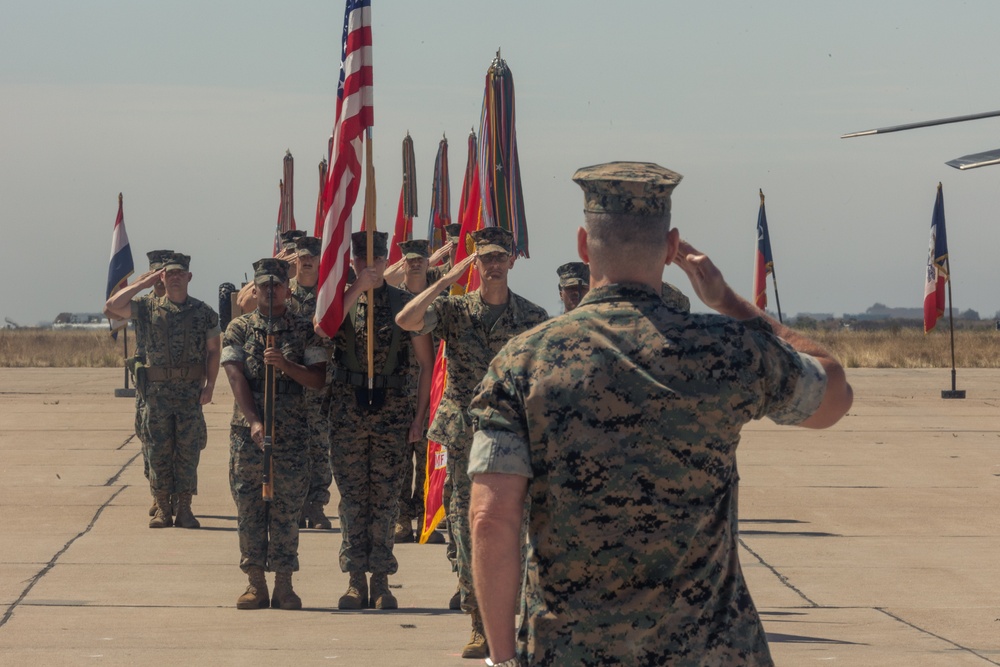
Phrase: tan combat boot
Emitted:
{"points": [[315, 517], [185, 518], [161, 518], [255, 596], [477, 646], [284, 597], [152, 510], [380, 596], [356, 596]]}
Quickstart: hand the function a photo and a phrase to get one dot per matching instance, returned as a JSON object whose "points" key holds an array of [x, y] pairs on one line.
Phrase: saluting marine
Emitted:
{"points": [[371, 424], [620, 421], [474, 327], [181, 344]]}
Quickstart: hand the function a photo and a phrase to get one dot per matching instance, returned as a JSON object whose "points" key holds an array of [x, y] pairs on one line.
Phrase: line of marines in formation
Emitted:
{"points": [[591, 458], [330, 425]]}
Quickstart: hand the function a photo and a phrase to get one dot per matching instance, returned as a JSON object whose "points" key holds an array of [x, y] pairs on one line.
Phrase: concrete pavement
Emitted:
{"points": [[872, 543]]}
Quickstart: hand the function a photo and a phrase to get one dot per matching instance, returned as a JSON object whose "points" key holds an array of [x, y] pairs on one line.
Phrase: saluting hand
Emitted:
{"points": [[440, 253], [150, 278], [458, 270], [705, 277]]}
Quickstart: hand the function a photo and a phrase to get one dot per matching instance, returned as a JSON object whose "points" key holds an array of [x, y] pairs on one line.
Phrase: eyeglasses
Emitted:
{"points": [[494, 258]]}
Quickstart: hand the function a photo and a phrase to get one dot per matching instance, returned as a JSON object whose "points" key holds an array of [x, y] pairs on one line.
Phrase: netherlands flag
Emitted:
{"points": [[121, 266]]}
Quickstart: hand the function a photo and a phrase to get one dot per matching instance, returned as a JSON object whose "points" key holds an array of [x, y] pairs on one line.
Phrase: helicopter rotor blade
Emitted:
{"points": [[984, 159], [926, 123]]}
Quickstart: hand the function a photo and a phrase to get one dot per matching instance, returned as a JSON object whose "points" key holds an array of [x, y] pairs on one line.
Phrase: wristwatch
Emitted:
{"points": [[506, 663]]}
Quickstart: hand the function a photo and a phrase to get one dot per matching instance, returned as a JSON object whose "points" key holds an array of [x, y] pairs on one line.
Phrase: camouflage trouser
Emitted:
{"points": [[140, 431], [412, 477], [367, 455], [318, 427], [176, 434], [451, 550], [458, 519], [269, 536]]}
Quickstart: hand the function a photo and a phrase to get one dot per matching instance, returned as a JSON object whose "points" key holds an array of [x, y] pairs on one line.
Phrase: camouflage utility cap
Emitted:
{"points": [[634, 188], [308, 245], [156, 258], [270, 270], [288, 238], [176, 261], [415, 248], [453, 231], [573, 273], [380, 244], [492, 239]]}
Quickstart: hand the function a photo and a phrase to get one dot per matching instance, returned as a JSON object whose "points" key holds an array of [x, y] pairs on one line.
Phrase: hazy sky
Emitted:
{"points": [[187, 108]]}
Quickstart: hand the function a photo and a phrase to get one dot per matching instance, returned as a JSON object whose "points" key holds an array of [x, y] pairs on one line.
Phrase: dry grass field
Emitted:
{"points": [[900, 347], [47, 348]]}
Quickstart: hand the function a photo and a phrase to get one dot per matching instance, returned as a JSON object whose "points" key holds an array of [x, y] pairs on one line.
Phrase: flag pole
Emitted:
{"points": [[777, 300], [125, 343], [952, 393], [369, 229]]}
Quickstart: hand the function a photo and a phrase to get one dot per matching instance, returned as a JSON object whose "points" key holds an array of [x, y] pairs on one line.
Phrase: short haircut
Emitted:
{"points": [[635, 234]]}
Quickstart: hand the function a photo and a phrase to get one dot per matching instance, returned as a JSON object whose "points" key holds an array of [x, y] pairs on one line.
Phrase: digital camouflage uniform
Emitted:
{"points": [[174, 339], [367, 442], [458, 320], [302, 301], [269, 538], [625, 415]]}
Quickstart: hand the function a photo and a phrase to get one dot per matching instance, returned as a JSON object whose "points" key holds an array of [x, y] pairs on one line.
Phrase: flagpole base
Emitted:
{"points": [[952, 393], [124, 392]]}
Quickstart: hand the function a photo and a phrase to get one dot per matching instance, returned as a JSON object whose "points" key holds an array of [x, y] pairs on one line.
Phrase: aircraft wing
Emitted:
{"points": [[974, 160]]}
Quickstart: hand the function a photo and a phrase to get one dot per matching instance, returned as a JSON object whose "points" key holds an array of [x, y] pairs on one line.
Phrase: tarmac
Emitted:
{"points": [[871, 543]]}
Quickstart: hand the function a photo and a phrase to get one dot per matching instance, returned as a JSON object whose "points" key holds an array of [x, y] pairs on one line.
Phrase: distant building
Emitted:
{"points": [[80, 321]]}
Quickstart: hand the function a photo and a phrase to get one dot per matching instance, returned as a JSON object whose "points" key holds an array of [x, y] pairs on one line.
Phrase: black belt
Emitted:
{"points": [[290, 387], [361, 379]]}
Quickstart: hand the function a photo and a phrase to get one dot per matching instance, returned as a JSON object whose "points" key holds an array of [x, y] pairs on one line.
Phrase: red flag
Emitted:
{"points": [[937, 266], [472, 220], [437, 455], [763, 264], [354, 115], [402, 232]]}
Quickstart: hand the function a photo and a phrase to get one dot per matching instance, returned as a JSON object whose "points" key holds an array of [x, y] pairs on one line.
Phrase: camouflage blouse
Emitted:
{"points": [[244, 343], [625, 414], [459, 322]]}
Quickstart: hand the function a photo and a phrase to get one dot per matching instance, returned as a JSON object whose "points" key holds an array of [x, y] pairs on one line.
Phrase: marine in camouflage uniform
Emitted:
{"points": [[620, 420], [474, 327], [416, 254], [302, 301], [156, 258], [269, 532], [371, 427], [181, 344]]}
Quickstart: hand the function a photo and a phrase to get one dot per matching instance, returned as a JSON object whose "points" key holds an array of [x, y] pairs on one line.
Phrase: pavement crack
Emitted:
{"points": [[114, 478], [936, 636], [782, 578], [52, 562], [125, 442]]}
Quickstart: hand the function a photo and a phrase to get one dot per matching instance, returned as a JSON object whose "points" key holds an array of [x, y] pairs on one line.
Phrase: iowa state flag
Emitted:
{"points": [[121, 266], [937, 266], [763, 262]]}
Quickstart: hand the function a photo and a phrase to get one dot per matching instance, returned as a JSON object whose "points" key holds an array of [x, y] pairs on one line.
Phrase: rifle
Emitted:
{"points": [[267, 485]]}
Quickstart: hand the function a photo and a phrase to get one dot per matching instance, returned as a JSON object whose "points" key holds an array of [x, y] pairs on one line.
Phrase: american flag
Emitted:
{"points": [[354, 115]]}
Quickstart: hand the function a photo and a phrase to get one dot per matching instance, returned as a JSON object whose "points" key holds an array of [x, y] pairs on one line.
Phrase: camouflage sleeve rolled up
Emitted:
{"points": [[794, 383]]}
